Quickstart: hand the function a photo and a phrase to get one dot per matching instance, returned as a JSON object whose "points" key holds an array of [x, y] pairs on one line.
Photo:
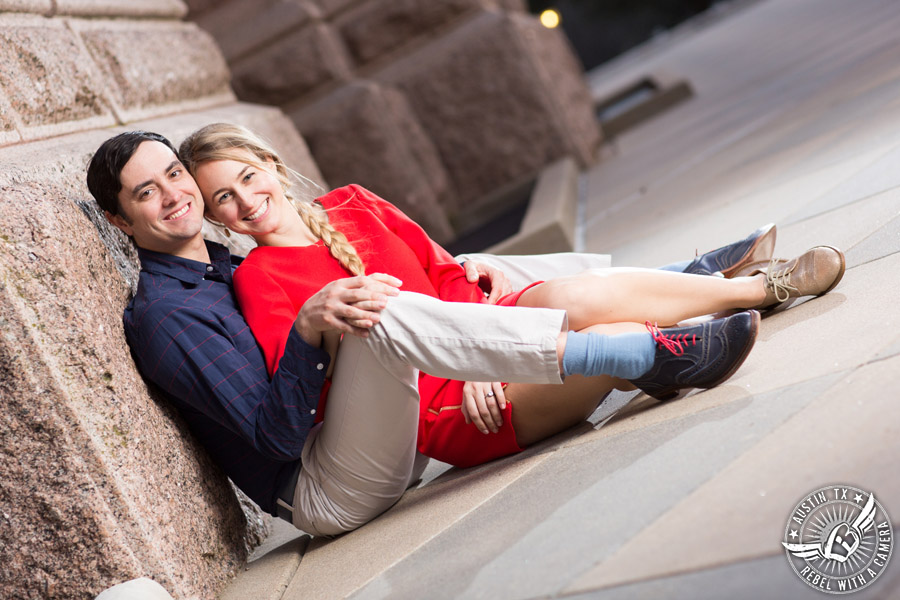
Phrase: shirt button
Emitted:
{"points": [[320, 366], [209, 268], [312, 412]]}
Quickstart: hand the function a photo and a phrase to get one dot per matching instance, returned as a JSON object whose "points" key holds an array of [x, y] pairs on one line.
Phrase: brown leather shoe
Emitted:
{"points": [[813, 273], [755, 268]]}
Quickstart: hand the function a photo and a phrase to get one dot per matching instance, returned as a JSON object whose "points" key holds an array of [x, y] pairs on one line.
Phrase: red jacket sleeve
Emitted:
{"points": [[446, 275], [268, 309]]}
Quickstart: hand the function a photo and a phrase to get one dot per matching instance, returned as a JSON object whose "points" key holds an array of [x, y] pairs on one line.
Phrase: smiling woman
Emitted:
{"points": [[246, 196]]}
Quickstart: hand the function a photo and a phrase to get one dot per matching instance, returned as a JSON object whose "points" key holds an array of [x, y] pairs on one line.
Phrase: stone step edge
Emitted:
{"points": [[549, 223], [268, 576]]}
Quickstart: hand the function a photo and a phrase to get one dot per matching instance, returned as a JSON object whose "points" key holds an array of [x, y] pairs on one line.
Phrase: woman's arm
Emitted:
{"points": [[446, 275], [351, 305]]}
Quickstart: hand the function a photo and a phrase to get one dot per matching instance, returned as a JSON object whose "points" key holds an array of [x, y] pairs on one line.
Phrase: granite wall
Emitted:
{"points": [[99, 481], [438, 105], [435, 104]]}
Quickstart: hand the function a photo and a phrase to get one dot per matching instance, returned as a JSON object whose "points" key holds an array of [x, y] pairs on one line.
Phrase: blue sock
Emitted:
{"points": [[678, 267], [626, 355]]}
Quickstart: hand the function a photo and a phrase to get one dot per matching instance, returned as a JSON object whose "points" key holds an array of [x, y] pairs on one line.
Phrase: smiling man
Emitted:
{"points": [[159, 207]]}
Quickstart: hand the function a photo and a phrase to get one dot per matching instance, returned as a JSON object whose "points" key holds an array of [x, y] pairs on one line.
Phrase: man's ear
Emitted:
{"points": [[120, 222]]}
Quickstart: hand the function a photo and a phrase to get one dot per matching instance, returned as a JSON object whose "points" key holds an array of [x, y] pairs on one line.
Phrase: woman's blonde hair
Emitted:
{"points": [[224, 141]]}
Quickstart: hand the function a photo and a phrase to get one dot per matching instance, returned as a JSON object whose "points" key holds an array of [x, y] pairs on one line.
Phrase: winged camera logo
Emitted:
{"points": [[838, 539]]}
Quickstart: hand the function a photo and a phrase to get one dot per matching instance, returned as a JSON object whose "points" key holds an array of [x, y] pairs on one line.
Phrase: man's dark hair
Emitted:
{"points": [[108, 161]]}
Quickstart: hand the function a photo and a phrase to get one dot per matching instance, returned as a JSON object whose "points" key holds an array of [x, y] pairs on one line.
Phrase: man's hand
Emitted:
{"points": [[351, 305], [490, 279], [482, 404]]}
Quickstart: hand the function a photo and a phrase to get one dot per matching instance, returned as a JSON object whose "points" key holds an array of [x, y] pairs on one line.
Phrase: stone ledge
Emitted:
{"points": [[549, 223], [40, 7], [159, 9], [267, 576], [639, 101]]}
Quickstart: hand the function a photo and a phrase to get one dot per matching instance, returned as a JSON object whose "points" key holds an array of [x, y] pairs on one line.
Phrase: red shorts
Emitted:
{"points": [[443, 432]]}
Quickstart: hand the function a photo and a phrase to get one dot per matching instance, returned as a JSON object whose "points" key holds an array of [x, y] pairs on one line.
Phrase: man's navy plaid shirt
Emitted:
{"points": [[189, 338]]}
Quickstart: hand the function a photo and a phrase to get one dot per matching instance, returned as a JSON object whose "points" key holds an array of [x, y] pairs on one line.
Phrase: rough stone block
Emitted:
{"points": [[499, 99], [328, 8], [514, 5], [46, 78], [243, 25], [377, 27], [291, 67], [40, 7], [153, 68], [561, 76], [101, 483], [363, 133], [198, 7], [8, 132], [173, 9]]}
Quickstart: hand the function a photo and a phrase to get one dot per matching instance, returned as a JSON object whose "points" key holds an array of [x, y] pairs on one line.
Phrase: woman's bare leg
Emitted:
{"points": [[619, 295], [541, 410]]}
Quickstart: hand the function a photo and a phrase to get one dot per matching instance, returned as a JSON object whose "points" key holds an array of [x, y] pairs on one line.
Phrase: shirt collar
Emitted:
{"points": [[185, 269]]}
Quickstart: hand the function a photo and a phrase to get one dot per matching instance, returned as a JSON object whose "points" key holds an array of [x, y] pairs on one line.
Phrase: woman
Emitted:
{"points": [[245, 183]]}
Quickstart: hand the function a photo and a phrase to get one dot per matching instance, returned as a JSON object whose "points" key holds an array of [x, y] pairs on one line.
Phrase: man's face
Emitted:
{"points": [[160, 204]]}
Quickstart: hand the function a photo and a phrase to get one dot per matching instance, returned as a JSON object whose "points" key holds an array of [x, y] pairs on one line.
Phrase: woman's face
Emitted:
{"points": [[243, 197]]}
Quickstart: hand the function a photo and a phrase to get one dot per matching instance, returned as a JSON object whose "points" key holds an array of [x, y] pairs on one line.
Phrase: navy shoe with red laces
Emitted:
{"points": [[698, 356]]}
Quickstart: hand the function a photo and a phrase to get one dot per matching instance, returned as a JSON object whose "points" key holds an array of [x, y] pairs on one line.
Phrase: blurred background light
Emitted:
{"points": [[550, 18]]}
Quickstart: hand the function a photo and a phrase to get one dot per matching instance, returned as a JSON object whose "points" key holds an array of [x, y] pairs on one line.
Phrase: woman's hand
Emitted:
{"points": [[489, 279], [482, 403], [352, 305]]}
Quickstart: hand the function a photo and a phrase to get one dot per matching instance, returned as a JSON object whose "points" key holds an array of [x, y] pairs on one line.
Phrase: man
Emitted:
{"points": [[189, 338]]}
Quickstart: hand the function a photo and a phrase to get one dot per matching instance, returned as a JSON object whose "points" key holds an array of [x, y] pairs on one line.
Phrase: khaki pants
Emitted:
{"points": [[523, 270], [358, 462]]}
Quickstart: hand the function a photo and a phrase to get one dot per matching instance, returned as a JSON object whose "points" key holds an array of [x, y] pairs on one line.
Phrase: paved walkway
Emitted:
{"points": [[796, 120]]}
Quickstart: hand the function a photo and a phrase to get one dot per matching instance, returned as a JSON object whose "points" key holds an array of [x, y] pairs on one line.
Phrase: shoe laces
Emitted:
{"points": [[674, 343], [779, 281]]}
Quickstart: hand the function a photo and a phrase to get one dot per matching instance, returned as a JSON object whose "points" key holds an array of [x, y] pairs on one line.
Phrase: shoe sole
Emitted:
{"points": [[767, 237], [754, 330]]}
